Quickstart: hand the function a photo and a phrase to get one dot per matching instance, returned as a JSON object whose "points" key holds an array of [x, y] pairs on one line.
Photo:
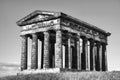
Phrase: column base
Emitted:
{"points": [[48, 70]]}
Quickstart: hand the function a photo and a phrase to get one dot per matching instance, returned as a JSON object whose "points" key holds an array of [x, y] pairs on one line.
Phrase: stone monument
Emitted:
{"points": [[67, 43]]}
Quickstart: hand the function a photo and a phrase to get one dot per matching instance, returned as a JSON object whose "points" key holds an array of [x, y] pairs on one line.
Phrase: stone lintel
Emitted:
{"points": [[83, 34], [42, 29]]}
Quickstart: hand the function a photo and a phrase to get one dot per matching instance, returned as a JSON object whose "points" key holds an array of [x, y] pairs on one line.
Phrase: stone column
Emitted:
{"points": [[42, 53], [85, 52], [74, 52], [66, 56], [92, 55], [104, 57], [58, 50], [46, 50], [78, 54], [98, 57], [34, 52], [95, 55], [51, 55], [69, 52], [24, 53]]}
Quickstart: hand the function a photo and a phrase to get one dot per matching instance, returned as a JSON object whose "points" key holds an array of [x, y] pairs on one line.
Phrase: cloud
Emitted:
{"points": [[8, 69]]}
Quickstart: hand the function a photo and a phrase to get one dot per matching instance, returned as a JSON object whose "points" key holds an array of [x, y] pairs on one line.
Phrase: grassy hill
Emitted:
{"points": [[114, 75]]}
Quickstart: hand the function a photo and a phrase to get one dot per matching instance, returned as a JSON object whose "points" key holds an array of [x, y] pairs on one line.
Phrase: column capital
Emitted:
{"points": [[84, 38], [79, 34], [98, 44], [23, 36], [104, 44], [69, 35], [34, 35], [45, 32], [91, 40]]}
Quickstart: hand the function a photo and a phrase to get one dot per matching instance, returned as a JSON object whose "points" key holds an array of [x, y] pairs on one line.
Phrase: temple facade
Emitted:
{"points": [[67, 43]]}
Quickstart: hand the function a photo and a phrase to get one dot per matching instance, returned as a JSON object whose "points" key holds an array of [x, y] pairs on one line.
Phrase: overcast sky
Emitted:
{"points": [[105, 14]]}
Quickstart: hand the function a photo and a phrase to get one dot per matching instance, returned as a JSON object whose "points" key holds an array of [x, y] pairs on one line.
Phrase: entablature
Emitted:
{"points": [[39, 25]]}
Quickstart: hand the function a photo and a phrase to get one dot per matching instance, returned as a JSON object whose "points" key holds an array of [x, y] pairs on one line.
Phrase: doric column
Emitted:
{"points": [[42, 53], [95, 55], [74, 52], [34, 52], [51, 55], [24, 53], [69, 52], [66, 56], [85, 52], [58, 50], [46, 50], [78, 53], [104, 57], [92, 55], [98, 56]]}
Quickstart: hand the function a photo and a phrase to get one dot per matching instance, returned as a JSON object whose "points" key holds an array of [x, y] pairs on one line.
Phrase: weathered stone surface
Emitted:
{"points": [[74, 54], [58, 50], [46, 50], [104, 58], [78, 54], [24, 53], [69, 53], [52, 56], [42, 54], [34, 53], [98, 57], [85, 53], [92, 55], [66, 56]]}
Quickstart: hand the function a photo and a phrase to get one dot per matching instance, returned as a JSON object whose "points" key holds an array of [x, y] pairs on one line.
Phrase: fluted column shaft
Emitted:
{"points": [[104, 57], [42, 54], [46, 50], [92, 55], [98, 57], [66, 56], [78, 54], [85, 52], [58, 50], [34, 52], [24, 53], [69, 52]]}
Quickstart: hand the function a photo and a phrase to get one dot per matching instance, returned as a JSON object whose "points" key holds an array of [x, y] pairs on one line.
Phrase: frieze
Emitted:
{"points": [[41, 24], [76, 26], [83, 29]]}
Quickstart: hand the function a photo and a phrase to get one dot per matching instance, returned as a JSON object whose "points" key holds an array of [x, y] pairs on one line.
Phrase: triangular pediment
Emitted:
{"points": [[37, 16]]}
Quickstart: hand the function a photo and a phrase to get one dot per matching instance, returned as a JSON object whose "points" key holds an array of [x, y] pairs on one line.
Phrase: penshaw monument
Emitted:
{"points": [[67, 43]]}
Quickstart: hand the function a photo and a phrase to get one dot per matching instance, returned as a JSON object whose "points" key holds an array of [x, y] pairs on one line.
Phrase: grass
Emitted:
{"points": [[114, 75]]}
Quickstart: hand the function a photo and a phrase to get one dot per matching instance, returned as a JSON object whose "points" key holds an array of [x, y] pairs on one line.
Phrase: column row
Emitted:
{"points": [[45, 60], [94, 61], [74, 57]]}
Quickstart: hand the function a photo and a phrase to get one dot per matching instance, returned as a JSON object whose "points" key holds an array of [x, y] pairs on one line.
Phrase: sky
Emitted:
{"points": [[104, 14]]}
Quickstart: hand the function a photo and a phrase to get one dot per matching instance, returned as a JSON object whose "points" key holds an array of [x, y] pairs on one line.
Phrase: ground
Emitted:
{"points": [[114, 75]]}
